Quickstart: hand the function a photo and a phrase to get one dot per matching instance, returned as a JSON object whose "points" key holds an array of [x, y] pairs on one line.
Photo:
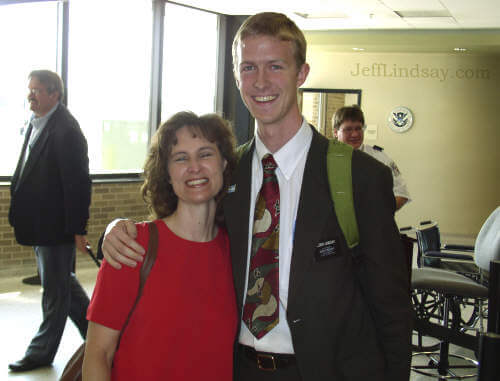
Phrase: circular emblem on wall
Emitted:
{"points": [[400, 119]]}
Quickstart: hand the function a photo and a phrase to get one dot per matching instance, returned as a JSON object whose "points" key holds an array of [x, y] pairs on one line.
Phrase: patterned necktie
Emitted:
{"points": [[261, 312]]}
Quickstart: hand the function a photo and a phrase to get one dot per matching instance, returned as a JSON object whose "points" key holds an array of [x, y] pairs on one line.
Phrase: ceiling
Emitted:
{"points": [[437, 26]]}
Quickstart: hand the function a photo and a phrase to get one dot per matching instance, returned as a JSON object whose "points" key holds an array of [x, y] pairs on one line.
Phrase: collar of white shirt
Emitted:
{"points": [[288, 156], [40, 122]]}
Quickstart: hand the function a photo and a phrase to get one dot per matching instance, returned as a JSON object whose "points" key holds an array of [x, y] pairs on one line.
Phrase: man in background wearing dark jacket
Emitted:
{"points": [[50, 198]]}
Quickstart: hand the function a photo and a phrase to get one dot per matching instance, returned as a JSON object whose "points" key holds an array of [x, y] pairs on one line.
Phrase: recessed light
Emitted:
{"points": [[423, 13], [460, 49], [358, 49], [323, 15]]}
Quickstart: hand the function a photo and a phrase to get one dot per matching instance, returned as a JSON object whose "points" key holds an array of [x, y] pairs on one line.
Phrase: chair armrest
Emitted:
{"points": [[449, 255], [451, 246]]}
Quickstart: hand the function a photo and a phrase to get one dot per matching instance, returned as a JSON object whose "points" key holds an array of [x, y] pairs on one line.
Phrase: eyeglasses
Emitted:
{"points": [[35, 91], [350, 130]]}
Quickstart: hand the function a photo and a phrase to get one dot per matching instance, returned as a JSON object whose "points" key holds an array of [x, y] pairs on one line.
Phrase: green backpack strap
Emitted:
{"points": [[338, 163]]}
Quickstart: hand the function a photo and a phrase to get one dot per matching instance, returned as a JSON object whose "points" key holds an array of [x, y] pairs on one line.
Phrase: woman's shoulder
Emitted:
{"points": [[142, 238], [143, 231]]}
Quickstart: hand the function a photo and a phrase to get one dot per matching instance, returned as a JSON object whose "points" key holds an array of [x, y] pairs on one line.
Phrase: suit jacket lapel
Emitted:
{"points": [[40, 143], [313, 211], [237, 213], [15, 176]]}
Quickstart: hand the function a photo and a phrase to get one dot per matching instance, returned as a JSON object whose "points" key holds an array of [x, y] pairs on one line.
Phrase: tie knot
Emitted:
{"points": [[268, 163]]}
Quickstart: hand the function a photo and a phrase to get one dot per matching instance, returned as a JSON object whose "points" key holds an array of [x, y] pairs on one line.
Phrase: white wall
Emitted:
{"points": [[449, 157]]}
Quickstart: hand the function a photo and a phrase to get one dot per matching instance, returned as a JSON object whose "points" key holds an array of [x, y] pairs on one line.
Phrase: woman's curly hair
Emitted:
{"points": [[156, 190]]}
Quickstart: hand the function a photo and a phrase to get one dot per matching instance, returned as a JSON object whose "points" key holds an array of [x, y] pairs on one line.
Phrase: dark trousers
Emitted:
{"points": [[247, 370], [63, 296]]}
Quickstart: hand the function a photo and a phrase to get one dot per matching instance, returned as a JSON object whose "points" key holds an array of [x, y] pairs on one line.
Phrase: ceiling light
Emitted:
{"points": [[460, 49], [358, 49], [423, 13], [322, 15]]}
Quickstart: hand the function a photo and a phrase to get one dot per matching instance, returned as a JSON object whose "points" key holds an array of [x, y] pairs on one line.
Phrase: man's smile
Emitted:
{"points": [[265, 98]]}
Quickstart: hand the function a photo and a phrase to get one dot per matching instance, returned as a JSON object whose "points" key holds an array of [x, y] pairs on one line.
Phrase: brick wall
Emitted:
{"points": [[109, 200]]}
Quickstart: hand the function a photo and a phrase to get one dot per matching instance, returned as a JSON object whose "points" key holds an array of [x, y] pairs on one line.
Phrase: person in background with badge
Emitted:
{"points": [[348, 127]]}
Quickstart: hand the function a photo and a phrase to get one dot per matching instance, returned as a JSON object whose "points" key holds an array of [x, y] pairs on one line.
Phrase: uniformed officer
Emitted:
{"points": [[348, 127]]}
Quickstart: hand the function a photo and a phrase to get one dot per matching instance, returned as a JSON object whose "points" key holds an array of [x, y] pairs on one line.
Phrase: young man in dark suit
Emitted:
{"points": [[312, 309], [50, 198]]}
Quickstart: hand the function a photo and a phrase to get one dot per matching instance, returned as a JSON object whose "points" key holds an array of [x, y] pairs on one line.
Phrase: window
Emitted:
{"points": [[189, 61], [108, 80], [319, 105], [109, 56], [29, 41]]}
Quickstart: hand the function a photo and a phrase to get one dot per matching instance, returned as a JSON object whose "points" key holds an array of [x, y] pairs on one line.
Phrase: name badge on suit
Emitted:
{"points": [[325, 250]]}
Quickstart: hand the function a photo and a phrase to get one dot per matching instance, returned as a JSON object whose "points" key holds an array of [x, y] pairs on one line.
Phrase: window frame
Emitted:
{"points": [[155, 102]]}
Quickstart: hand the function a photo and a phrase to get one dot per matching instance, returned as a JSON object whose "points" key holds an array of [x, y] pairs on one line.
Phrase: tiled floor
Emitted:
{"points": [[20, 315]]}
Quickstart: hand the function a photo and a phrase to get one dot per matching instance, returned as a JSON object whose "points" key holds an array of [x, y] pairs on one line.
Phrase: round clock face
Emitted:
{"points": [[400, 119]]}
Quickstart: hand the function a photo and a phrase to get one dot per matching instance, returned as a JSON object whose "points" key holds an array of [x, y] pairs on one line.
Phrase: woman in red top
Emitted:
{"points": [[183, 327]]}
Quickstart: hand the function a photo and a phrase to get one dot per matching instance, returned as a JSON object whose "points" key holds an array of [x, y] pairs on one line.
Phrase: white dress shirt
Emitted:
{"points": [[291, 160], [38, 124]]}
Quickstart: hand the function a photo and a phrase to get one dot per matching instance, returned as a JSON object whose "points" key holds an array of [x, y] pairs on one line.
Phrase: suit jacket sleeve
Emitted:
{"points": [[384, 274], [73, 166]]}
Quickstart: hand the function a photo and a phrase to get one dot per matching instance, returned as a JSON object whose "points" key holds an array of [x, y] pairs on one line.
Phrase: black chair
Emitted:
{"points": [[426, 303], [454, 257], [448, 290]]}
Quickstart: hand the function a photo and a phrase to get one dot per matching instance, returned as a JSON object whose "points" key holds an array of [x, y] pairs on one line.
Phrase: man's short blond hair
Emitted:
{"points": [[274, 25]]}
